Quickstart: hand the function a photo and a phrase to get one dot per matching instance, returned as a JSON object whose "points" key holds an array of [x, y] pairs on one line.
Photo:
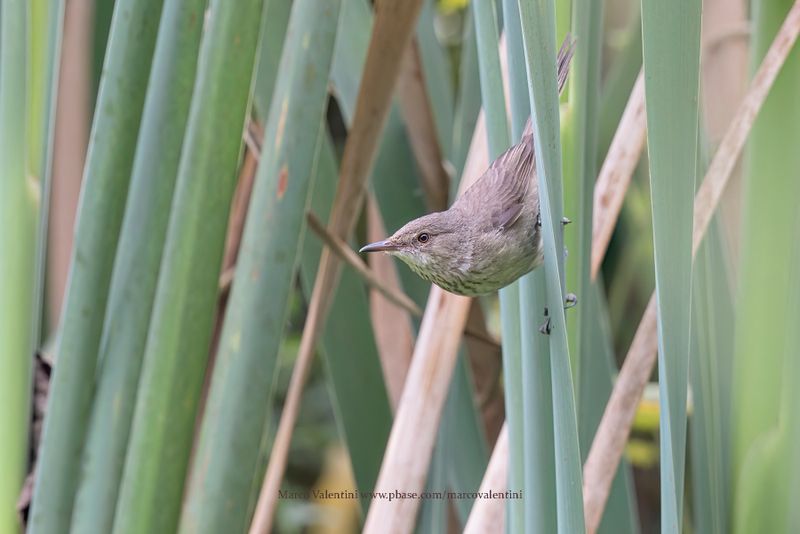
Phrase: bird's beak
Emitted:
{"points": [[378, 246]]}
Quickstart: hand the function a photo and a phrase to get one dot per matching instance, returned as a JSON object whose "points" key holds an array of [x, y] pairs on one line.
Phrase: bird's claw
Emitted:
{"points": [[545, 328], [538, 220], [570, 301], [565, 221]]}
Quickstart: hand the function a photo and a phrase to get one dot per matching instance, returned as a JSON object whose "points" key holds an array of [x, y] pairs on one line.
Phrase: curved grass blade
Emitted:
{"points": [[180, 331]]}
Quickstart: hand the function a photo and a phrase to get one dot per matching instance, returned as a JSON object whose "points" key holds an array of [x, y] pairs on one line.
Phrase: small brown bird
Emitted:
{"points": [[491, 235]]}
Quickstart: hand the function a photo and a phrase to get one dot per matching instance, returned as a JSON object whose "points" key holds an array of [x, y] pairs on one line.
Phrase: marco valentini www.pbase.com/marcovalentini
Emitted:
{"points": [[397, 495]]}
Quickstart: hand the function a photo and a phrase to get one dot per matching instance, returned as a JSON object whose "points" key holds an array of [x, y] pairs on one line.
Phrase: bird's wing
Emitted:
{"points": [[503, 187]]}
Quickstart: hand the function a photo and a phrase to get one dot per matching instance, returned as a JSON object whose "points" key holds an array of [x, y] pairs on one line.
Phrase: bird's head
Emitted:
{"points": [[431, 245]]}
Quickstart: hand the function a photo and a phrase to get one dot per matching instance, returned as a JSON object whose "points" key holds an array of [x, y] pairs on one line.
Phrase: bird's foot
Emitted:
{"points": [[570, 301], [545, 328], [565, 221]]}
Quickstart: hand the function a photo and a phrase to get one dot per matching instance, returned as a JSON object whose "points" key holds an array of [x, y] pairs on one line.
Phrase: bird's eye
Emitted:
{"points": [[423, 237]]}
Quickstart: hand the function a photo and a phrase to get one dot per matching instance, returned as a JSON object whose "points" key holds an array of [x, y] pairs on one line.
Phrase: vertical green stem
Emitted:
{"points": [[137, 263], [178, 341], [108, 168], [18, 209]]}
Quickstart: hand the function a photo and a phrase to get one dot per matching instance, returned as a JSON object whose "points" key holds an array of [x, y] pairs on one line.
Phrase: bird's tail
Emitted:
{"points": [[563, 60]]}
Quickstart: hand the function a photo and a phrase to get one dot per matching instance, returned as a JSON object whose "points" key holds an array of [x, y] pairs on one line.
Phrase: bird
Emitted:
{"points": [[491, 235]]}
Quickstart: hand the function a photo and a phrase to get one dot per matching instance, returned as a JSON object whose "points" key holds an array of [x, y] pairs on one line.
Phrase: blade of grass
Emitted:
{"points": [[766, 315], [711, 359], [231, 436], [46, 33], [183, 312], [108, 166], [530, 438], [597, 378], [393, 29], [273, 39], [135, 274], [671, 52], [580, 169], [615, 425], [18, 216], [538, 31]]}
